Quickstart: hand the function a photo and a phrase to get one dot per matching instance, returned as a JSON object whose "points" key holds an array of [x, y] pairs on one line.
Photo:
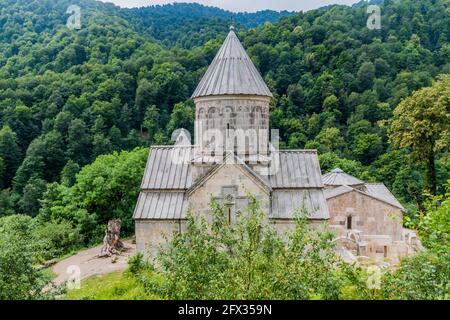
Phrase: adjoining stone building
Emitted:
{"points": [[367, 217], [231, 156]]}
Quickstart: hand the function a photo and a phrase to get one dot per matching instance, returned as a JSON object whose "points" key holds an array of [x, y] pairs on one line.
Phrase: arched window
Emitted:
{"points": [[349, 222]]}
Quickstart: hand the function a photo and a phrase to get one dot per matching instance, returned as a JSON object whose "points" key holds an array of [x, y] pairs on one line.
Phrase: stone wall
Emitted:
{"points": [[368, 215], [151, 233]]}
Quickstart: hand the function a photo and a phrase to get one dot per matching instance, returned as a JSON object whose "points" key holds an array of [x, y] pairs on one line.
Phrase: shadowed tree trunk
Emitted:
{"points": [[431, 174]]}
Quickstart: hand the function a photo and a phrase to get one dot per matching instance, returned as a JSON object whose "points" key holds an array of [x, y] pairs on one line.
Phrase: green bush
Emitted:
{"points": [[112, 286], [20, 279], [137, 264], [434, 226], [56, 239], [424, 276]]}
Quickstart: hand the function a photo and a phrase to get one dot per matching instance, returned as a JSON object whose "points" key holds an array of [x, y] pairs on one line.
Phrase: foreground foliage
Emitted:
{"points": [[247, 260], [112, 286], [20, 278]]}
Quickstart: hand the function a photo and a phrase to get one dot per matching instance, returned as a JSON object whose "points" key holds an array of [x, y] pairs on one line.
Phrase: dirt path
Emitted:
{"points": [[90, 263]]}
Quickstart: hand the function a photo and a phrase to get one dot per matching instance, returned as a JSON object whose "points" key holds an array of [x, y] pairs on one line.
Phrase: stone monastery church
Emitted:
{"points": [[232, 156]]}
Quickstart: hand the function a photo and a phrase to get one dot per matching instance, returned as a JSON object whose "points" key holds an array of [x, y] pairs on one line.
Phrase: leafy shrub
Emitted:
{"points": [[112, 286], [56, 239], [137, 264], [434, 226], [424, 276], [19, 278]]}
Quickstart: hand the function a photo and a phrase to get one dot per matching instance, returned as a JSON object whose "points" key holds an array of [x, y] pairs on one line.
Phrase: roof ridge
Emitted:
{"points": [[297, 150]]}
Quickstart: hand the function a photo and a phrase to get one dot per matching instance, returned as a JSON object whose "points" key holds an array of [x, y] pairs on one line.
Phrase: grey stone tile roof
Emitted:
{"points": [[285, 203], [161, 206], [168, 168], [380, 191], [334, 192], [338, 177], [297, 169], [232, 72], [377, 191]]}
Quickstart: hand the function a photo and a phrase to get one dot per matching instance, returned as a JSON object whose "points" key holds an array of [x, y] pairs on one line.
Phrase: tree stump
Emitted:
{"points": [[111, 241]]}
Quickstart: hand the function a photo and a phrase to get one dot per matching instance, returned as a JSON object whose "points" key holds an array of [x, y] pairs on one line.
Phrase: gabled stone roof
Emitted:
{"points": [[160, 205], [231, 158], [376, 191], [287, 202], [169, 168], [232, 72], [380, 191]]}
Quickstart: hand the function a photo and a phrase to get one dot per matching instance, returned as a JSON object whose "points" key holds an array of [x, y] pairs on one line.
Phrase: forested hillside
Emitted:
{"points": [[124, 80], [190, 24]]}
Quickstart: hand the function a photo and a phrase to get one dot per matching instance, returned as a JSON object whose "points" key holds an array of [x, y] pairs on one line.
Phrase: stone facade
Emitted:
{"points": [[229, 186], [152, 233], [357, 211]]}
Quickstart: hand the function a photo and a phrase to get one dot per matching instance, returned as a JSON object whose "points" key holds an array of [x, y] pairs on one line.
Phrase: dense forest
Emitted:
{"points": [[187, 25], [79, 107]]}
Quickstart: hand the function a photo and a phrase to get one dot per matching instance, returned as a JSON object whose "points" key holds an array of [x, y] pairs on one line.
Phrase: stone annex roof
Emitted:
{"points": [[232, 72], [380, 191], [167, 177], [338, 177], [161, 205], [286, 202], [377, 191]]}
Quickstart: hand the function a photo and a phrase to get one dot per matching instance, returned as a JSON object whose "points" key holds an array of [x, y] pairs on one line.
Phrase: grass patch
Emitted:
{"points": [[112, 286], [48, 272]]}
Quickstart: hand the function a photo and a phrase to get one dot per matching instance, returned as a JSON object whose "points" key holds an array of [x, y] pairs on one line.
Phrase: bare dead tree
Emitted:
{"points": [[111, 242]]}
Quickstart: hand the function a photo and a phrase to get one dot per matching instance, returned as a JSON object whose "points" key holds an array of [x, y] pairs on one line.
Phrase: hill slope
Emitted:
{"points": [[190, 24]]}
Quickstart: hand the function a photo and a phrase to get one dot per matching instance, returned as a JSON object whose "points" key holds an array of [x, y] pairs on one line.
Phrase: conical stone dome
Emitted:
{"points": [[232, 72]]}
